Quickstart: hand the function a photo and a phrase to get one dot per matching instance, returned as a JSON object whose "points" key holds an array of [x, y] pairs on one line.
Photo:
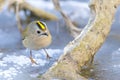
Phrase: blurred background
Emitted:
{"points": [[14, 58]]}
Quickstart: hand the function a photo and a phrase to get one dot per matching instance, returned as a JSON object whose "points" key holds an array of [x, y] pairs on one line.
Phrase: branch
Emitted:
{"points": [[18, 18], [81, 50], [2, 3], [37, 11], [74, 30]]}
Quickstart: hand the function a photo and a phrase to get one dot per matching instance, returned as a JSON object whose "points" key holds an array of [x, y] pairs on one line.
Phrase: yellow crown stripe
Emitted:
{"points": [[41, 25]]}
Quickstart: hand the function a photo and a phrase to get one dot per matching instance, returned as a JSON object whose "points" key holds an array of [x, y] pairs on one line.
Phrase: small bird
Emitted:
{"points": [[36, 36]]}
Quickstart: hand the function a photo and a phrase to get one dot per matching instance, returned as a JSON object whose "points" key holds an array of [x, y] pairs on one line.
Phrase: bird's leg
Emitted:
{"points": [[47, 55], [31, 58]]}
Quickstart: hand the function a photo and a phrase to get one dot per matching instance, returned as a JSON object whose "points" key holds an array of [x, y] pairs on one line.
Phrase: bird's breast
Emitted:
{"points": [[37, 43]]}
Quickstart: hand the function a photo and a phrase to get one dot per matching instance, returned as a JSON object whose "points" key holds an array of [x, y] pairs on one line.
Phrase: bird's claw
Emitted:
{"points": [[33, 61], [48, 57]]}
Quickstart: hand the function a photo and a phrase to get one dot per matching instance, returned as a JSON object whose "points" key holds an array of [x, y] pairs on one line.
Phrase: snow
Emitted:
{"points": [[13, 65], [9, 73], [16, 60]]}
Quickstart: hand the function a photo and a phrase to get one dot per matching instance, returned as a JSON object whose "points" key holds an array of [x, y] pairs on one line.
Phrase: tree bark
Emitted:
{"points": [[80, 51]]}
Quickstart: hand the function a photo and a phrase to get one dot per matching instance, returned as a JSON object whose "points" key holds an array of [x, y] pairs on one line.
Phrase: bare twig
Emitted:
{"points": [[36, 11], [74, 31], [18, 18], [2, 3]]}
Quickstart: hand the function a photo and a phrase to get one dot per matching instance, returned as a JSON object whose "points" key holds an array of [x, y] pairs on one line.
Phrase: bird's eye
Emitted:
{"points": [[38, 32]]}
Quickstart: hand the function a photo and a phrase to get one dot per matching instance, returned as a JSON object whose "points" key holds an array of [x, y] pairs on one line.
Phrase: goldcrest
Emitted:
{"points": [[36, 36]]}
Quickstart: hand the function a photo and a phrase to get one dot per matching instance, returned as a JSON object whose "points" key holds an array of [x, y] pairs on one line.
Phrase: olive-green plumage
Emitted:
{"points": [[36, 36]]}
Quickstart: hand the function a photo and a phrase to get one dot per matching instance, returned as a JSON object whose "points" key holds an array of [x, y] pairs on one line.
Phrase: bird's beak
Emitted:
{"points": [[45, 34]]}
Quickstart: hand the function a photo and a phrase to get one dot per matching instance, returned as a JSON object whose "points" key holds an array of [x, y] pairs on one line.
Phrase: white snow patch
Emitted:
{"points": [[2, 64], [9, 73], [54, 52], [19, 60], [41, 62], [13, 65]]}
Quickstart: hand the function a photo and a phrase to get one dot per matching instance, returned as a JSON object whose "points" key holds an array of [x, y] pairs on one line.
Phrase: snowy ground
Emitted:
{"points": [[14, 64]]}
